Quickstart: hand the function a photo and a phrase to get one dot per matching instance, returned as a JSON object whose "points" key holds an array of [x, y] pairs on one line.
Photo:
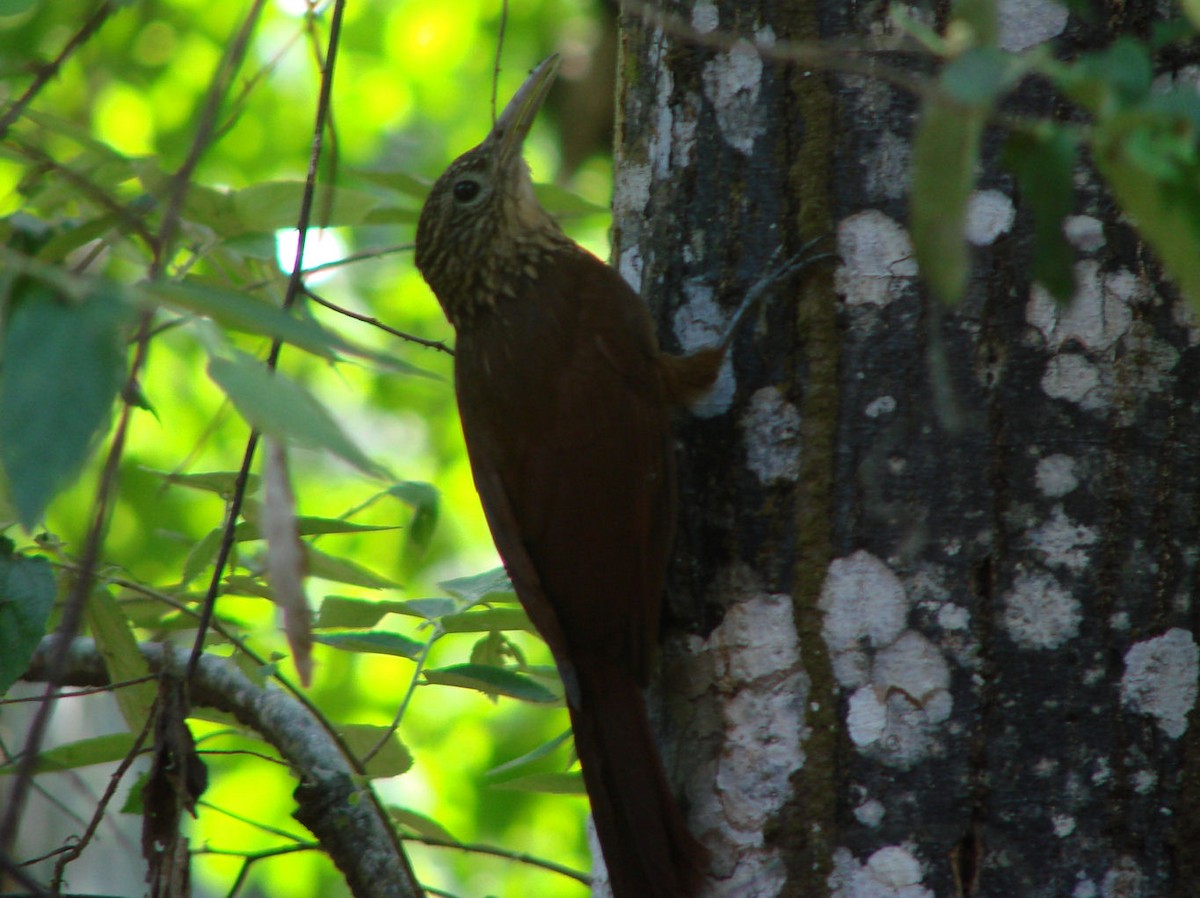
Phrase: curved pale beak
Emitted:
{"points": [[514, 122]]}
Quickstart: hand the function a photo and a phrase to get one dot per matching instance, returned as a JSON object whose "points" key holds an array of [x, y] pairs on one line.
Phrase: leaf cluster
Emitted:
{"points": [[1141, 132]]}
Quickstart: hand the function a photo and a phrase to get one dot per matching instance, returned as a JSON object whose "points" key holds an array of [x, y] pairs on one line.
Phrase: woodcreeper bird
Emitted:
{"points": [[565, 400]]}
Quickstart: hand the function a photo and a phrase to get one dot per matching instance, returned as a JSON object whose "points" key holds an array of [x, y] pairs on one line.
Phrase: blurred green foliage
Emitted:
{"points": [[85, 182]]}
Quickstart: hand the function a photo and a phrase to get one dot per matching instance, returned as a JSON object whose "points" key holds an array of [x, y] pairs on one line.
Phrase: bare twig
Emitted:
{"points": [[375, 322], [205, 126], [47, 72], [78, 692], [293, 291], [494, 851], [499, 49], [78, 847]]}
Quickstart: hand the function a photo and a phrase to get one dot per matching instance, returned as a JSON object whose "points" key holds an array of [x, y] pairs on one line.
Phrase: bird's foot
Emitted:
{"points": [[806, 258]]}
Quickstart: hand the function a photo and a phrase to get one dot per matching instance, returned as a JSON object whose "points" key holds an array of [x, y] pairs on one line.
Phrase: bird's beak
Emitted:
{"points": [[509, 132]]}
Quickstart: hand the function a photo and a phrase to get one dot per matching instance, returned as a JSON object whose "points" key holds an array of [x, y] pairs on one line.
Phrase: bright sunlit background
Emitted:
{"points": [[413, 89]]}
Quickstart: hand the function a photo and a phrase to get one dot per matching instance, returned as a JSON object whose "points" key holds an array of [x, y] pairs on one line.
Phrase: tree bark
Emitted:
{"points": [[932, 613]]}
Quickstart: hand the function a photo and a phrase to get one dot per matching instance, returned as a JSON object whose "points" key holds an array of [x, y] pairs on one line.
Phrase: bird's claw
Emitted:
{"points": [[775, 275]]}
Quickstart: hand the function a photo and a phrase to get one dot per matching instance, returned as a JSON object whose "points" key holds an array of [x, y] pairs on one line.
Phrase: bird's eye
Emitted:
{"points": [[466, 190]]}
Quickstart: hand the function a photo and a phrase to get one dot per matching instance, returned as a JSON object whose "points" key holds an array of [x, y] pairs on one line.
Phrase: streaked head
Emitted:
{"points": [[483, 198]]}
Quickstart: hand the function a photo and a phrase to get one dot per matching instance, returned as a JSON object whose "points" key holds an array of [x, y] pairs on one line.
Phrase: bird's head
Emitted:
{"points": [[482, 211]]}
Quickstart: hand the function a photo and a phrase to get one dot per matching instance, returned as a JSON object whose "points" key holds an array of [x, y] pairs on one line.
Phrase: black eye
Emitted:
{"points": [[466, 190]]}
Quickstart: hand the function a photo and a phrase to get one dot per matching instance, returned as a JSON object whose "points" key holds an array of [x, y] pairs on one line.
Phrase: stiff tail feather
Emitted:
{"points": [[647, 847]]}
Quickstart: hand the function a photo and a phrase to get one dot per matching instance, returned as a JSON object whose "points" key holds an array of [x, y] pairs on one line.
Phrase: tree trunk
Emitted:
{"points": [[932, 608]]}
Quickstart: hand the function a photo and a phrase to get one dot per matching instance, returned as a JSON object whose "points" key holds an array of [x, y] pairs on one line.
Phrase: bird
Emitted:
{"points": [[566, 400]]}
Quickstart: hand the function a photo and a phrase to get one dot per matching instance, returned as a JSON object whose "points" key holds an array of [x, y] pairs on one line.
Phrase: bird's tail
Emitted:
{"points": [[647, 847]]}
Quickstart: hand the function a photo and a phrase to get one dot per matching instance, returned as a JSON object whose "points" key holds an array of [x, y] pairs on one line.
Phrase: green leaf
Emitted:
{"points": [[397, 181], [560, 202], [418, 823], [201, 555], [122, 658], [373, 642], [1043, 161], [424, 500], [16, 7], [342, 570], [489, 619], [945, 153], [543, 751], [243, 312], [85, 752], [980, 75], [63, 364], [392, 759], [133, 800], [491, 681], [313, 526], [392, 215], [273, 205], [428, 609], [1165, 210], [26, 598], [220, 482], [490, 586], [1115, 78], [340, 611], [275, 404], [981, 16], [552, 783]]}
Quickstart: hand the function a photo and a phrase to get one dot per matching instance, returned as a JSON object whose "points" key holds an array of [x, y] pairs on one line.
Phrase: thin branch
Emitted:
{"points": [[78, 692], [375, 322], [60, 866], [420, 660], [499, 50], [273, 830], [22, 877], [120, 211], [205, 126], [47, 72], [293, 292], [494, 851]]}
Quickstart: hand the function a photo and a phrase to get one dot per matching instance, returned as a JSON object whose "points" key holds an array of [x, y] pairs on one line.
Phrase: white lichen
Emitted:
{"points": [[1160, 679], [732, 80], [990, 213], [700, 322], [886, 167], [1055, 475], [1072, 377], [1096, 317], [870, 813], [1084, 232], [1063, 543], [891, 872], [877, 259], [772, 436], [751, 665], [1026, 23], [865, 606], [881, 405], [705, 16], [915, 667], [1039, 613]]}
